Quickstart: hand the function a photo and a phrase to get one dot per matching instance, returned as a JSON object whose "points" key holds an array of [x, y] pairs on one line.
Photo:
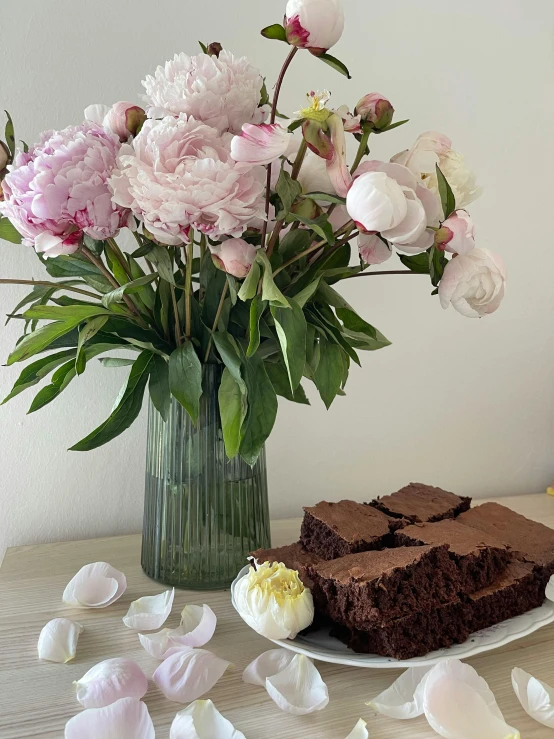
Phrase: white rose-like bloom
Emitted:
{"points": [[223, 91], [274, 602], [178, 173], [376, 202], [473, 283]]}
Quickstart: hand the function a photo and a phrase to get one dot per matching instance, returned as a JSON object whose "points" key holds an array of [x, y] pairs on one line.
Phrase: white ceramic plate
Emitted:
{"points": [[319, 645]]}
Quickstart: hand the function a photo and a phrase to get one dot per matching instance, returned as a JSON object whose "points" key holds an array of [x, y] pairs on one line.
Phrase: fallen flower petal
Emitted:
{"points": [[198, 624], [404, 698], [96, 585], [108, 681], [189, 673], [536, 697], [127, 718], [359, 731], [202, 720], [267, 664], [158, 645], [150, 612], [58, 640], [298, 689]]}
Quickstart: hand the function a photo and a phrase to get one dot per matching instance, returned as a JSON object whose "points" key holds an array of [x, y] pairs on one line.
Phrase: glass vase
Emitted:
{"points": [[203, 513]]}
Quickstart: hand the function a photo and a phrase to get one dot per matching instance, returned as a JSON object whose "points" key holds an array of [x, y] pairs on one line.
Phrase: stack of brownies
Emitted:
{"points": [[417, 570]]}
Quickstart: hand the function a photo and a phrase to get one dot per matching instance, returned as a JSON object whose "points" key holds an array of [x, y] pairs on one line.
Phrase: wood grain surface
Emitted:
{"points": [[37, 698]]}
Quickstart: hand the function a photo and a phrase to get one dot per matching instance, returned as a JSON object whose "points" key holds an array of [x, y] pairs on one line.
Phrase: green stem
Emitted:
{"points": [[309, 250], [216, 320], [387, 272], [361, 151], [49, 284], [188, 288], [176, 314], [120, 258], [111, 279]]}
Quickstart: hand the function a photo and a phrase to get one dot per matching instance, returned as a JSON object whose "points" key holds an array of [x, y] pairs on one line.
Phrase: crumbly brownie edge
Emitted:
{"points": [[508, 602], [320, 539], [376, 503]]}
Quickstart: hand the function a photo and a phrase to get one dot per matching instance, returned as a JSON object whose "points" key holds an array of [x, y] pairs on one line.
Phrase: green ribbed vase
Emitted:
{"points": [[203, 513]]}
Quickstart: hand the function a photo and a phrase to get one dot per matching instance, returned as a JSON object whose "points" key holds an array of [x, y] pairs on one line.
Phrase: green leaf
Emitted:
{"points": [[33, 373], [287, 189], [437, 263], [262, 409], [159, 386], [89, 330], [37, 293], [291, 331], [96, 246], [418, 263], [43, 337], [320, 226], [279, 377], [447, 196], [8, 232], [66, 312], [325, 197], [233, 407], [230, 355], [159, 255], [303, 296], [294, 242], [353, 322], [10, 135], [270, 291], [257, 307], [127, 409], [203, 47], [116, 296], [73, 265], [185, 379], [392, 125], [335, 64], [295, 124], [276, 32], [329, 373], [143, 251], [60, 381], [116, 361], [250, 285], [233, 288]]}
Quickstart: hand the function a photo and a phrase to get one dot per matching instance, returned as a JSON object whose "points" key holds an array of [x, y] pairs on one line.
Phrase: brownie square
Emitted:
{"points": [[480, 557], [333, 530], [369, 589], [420, 503], [530, 541], [293, 556]]}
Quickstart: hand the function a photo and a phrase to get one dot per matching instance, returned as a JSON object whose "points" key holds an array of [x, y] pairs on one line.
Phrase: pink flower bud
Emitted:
{"points": [[124, 120], [457, 234], [3, 156], [315, 25], [375, 109], [234, 256]]}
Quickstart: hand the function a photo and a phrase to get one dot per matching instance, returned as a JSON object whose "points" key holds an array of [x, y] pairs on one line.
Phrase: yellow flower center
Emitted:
{"points": [[277, 581], [316, 111]]}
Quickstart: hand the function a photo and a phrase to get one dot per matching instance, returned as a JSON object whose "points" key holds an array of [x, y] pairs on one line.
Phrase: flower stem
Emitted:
{"points": [[216, 320], [111, 279], [361, 151], [50, 284], [188, 288], [176, 314], [120, 258], [387, 272]]}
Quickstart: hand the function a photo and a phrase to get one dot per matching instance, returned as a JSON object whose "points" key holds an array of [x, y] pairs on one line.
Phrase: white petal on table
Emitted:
{"points": [[110, 680], [150, 612], [298, 689], [549, 592], [267, 664], [128, 718], [404, 698], [198, 624], [96, 585], [58, 640], [202, 720], [458, 704], [536, 697], [359, 731], [188, 674]]}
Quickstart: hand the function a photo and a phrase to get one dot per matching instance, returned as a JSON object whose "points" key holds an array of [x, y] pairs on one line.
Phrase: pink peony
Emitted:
{"points": [[234, 256], [178, 173], [457, 233], [223, 91], [58, 191]]}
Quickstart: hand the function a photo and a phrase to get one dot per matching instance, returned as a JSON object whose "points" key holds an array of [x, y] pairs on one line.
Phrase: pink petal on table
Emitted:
{"points": [[150, 612], [108, 681], [298, 689], [189, 673], [267, 664], [58, 640], [198, 624], [96, 585], [202, 720], [128, 718]]}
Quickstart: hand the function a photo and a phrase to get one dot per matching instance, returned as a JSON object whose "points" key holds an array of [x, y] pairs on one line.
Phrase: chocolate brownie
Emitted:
{"points": [[335, 529], [480, 557], [530, 541], [293, 556], [369, 589], [420, 503]]}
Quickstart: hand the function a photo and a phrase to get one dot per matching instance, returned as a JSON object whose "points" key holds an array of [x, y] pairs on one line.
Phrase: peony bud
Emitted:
{"points": [[376, 110], [4, 155], [234, 256], [457, 234], [315, 25], [124, 120], [215, 49], [307, 208]]}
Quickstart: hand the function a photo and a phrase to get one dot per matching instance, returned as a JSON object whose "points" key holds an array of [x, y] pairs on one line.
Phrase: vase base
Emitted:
{"points": [[180, 583]]}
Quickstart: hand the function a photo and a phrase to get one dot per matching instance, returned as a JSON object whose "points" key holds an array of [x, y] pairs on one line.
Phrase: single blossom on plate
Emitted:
{"points": [[372, 248], [150, 612], [298, 688], [273, 601], [108, 681], [58, 640], [202, 720], [536, 697], [260, 144], [457, 233], [127, 718], [96, 585], [473, 283], [315, 25], [187, 674], [404, 698], [196, 629], [234, 256], [359, 731], [374, 108]]}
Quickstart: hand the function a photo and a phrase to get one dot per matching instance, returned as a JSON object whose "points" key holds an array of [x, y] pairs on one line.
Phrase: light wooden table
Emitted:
{"points": [[36, 698]]}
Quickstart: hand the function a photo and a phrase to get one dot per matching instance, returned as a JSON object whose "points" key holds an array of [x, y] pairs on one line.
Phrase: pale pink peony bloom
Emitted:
{"points": [[223, 91], [122, 119], [315, 25], [373, 249], [457, 234], [473, 283], [178, 174], [58, 191], [260, 144], [234, 256], [375, 109], [425, 154]]}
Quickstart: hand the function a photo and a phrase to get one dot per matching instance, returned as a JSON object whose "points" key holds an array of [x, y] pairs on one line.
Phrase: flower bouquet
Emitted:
{"points": [[244, 222]]}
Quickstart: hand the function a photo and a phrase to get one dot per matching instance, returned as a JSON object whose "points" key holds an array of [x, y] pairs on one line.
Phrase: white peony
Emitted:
{"points": [[473, 283], [223, 91], [461, 179], [178, 174]]}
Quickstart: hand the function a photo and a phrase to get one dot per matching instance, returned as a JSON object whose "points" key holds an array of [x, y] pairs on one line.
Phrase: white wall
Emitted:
{"points": [[465, 404]]}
